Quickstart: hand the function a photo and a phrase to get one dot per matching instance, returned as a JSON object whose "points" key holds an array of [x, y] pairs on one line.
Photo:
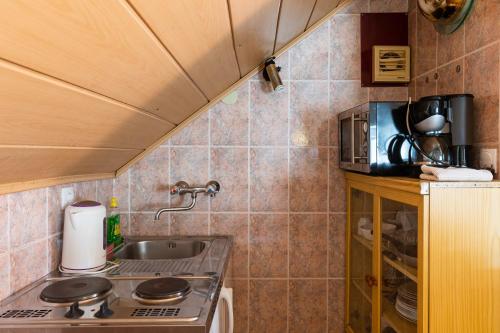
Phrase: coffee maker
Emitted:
{"points": [[439, 130]]}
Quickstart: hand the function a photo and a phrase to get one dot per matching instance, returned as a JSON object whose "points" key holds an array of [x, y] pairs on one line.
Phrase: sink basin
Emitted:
{"points": [[161, 249]]}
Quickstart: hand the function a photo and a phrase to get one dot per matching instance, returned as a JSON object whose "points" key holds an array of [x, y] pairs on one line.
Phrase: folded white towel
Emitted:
{"points": [[455, 174]]}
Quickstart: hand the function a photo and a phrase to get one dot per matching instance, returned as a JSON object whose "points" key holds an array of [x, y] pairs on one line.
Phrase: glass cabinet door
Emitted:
{"points": [[399, 266], [361, 278]]}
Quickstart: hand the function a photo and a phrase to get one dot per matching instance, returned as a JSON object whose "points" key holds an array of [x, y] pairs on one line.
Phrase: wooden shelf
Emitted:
{"points": [[365, 242], [405, 269], [363, 292], [398, 323]]}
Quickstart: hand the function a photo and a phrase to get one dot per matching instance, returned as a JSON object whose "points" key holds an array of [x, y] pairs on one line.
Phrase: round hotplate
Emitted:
{"points": [[76, 290], [163, 288]]}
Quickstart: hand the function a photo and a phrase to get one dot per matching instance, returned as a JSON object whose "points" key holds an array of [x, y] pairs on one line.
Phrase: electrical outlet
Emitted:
{"points": [[67, 196], [488, 159]]}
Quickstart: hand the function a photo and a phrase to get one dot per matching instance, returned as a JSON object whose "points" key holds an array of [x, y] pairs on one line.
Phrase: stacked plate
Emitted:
{"points": [[406, 301]]}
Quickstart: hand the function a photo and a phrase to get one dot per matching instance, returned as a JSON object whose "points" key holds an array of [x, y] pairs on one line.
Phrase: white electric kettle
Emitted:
{"points": [[84, 237]]}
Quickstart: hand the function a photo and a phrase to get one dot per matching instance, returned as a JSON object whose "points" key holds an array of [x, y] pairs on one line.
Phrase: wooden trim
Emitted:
{"points": [[223, 94], [41, 183], [377, 263], [423, 265], [348, 256], [416, 186]]}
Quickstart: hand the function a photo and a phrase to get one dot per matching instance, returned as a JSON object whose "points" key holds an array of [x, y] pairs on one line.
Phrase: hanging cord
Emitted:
{"points": [[413, 142], [109, 265]]}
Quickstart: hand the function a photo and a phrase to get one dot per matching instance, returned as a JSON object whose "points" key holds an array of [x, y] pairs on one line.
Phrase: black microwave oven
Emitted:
{"points": [[373, 141]]}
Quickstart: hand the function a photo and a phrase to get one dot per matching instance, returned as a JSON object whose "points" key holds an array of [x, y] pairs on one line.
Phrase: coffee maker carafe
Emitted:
{"points": [[440, 130]]}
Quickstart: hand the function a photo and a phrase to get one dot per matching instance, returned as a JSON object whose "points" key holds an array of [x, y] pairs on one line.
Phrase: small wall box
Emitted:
{"points": [[391, 64]]}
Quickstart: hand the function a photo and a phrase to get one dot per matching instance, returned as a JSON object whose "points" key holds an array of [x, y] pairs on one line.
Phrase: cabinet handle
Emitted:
{"points": [[371, 281]]}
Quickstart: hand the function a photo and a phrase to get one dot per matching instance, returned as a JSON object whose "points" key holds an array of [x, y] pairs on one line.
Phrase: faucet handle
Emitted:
{"points": [[213, 187], [179, 188]]}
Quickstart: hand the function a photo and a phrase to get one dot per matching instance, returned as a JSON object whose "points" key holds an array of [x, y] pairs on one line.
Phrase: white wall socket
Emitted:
{"points": [[488, 159], [67, 196]]}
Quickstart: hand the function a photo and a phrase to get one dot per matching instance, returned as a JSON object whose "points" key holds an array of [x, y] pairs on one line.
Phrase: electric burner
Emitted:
{"points": [[76, 290], [162, 290]]}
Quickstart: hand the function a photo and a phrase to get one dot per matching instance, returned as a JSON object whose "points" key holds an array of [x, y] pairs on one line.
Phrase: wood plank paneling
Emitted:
{"points": [[20, 164], [39, 110], [293, 20], [322, 8], [99, 45], [254, 27], [198, 34]]}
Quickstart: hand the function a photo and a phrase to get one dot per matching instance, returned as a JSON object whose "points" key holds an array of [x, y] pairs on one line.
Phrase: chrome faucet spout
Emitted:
{"points": [[176, 209]]}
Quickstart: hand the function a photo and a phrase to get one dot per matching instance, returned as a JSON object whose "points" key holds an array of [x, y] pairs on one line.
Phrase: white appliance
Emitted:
{"points": [[84, 237], [220, 317]]}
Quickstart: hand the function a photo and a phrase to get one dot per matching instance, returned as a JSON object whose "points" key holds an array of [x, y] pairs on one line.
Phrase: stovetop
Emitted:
{"points": [[125, 308], [121, 306]]}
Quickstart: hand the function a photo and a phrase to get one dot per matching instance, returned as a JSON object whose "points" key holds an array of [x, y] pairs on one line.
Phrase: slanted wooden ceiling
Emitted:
{"points": [[88, 86]]}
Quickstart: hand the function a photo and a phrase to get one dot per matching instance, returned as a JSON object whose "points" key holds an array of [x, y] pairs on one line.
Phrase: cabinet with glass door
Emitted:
{"points": [[393, 278]]}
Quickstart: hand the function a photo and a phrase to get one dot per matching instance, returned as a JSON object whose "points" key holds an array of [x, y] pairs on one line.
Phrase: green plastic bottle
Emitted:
{"points": [[114, 232]]}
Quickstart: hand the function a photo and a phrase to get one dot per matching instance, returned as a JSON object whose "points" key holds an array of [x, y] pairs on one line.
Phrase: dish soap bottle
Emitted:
{"points": [[114, 231]]}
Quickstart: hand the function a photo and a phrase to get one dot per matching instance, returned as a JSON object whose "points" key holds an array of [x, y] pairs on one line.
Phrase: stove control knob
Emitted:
{"points": [[74, 311], [104, 311]]}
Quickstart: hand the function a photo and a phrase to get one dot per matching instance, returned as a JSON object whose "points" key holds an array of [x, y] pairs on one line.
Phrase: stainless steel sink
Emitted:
{"points": [[161, 249]]}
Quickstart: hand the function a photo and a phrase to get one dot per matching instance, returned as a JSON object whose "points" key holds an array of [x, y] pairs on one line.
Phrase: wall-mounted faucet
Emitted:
{"points": [[181, 188]]}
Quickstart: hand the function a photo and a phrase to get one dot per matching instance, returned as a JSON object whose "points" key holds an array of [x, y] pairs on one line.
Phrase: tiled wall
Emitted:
{"points": [[282, 198], [465, 61], [31, 231]]}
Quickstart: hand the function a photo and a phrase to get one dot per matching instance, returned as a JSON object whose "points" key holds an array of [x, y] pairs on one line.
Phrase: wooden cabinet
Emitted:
{"points": [[422, 256]]}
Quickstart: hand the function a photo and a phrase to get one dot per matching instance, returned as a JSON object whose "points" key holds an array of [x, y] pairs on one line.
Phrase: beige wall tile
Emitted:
{"points": [[345, 62], [336, 245], [309, 113], [309, 58], [25, 267], [482, 80], [189, 164], [195, 133], [307, 306], [4, 225], [229, 122], [143, 224], [451, 80], [426, 46], [27, 216], [308, 179], [388, 6], [150, 182], [268, 179], [235, 225], [483, 25], [269, 245], [346, 94], [336, 305], [186, 224], [268, 304], [229, 166], [268, 115], [308, 245]]}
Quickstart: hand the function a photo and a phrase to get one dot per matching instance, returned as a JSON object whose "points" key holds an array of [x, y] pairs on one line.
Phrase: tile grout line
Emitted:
{"points": [[47, 226], [209, 150], [288, 198], [129, 201], [328, 169], [169, 180], [248, 203], [9, 245]]}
